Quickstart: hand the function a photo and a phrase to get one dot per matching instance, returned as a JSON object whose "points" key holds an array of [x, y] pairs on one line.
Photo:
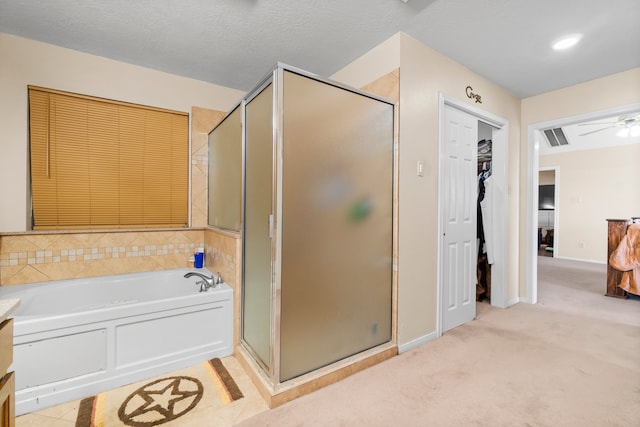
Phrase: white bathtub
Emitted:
{"points": [[75, 338]]}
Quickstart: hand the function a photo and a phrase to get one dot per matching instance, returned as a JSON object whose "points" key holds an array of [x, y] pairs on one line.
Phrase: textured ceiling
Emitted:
{"points": [[234, 43]]}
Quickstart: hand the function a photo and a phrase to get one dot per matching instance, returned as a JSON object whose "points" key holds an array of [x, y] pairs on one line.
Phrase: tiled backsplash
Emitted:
{"points": [[87, 254], [27, 258]]}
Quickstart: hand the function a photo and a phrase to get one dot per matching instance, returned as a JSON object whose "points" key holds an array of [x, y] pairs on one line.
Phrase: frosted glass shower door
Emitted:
{"points": [[337, 224], [256, 311]]}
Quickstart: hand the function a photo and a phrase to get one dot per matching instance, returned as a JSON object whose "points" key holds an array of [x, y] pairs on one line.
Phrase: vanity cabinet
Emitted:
{"points": [[7, 383]]}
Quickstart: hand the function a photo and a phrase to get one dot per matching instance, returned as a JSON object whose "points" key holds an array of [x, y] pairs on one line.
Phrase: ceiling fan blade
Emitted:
{"points": [[597, 130], [597, 123]]}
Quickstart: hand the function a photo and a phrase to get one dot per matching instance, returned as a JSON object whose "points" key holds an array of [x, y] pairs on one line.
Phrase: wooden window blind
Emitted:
{"points": [[98, 164]]}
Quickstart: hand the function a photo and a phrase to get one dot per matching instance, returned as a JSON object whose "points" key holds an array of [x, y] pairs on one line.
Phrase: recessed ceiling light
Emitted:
{"points": [[566, 42]]}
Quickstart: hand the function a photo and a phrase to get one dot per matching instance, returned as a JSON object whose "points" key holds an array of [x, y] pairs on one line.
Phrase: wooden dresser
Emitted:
{"points": [[616, 230], [7, 383]]}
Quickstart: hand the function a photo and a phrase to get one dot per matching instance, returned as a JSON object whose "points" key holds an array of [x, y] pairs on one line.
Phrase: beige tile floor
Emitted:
{"points": [[208, 412]]}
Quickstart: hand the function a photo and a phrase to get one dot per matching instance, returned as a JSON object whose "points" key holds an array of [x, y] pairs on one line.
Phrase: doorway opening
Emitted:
{"points": [[535, 138], [548, 229]]}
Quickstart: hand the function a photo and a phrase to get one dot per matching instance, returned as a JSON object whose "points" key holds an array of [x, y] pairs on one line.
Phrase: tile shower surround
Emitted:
{"points": [[27, 258], [87, 254], [31, 258]]}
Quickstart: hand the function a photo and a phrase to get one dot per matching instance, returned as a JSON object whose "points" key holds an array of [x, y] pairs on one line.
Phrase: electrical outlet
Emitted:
{"points": [[581, 245]]}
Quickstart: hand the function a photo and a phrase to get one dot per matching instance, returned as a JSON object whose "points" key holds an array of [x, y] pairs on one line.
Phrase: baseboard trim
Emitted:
{"points": [[590, 261], [278, 394], [417, 342], [514, 301]]}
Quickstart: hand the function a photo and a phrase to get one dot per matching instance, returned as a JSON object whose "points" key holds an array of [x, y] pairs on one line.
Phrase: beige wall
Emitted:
{"points": [[381, 60], [601, 94], [596, 95], [593, 185], [424, 73], [32, 257], [546, 177], [26, 62]]}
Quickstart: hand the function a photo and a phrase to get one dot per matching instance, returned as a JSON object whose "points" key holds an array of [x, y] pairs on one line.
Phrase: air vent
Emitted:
{"points": [[556, 137]]}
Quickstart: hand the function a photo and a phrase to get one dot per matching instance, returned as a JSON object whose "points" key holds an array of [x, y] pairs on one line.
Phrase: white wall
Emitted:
{"points": [[26, 62]]}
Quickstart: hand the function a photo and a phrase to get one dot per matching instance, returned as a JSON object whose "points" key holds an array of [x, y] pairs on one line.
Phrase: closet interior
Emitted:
{"points": [[484, 218]]}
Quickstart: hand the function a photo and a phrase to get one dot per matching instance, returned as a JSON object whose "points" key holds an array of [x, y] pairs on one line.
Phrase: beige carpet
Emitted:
{"points": [[571, 360]]}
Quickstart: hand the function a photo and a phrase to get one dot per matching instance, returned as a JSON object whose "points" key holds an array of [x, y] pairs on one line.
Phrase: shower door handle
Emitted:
{"points": [[271, 226]]}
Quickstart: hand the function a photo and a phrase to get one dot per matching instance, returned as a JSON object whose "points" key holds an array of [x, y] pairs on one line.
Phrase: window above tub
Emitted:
{"points": [[104, 164]]}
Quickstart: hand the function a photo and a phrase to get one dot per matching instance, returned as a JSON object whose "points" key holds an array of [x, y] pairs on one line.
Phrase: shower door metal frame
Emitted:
{"points": [[276, 243], [276, 77], [268, 369]]}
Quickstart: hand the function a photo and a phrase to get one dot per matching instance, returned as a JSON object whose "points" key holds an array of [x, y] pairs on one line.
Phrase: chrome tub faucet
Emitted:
{"points": [[207, 282]]}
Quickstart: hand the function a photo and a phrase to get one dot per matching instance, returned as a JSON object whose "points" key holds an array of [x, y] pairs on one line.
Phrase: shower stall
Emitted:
{"points": [[317, 223]]}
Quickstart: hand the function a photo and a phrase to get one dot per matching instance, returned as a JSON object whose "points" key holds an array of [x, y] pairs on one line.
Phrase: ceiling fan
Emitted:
{"points": [[629, 125]]}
